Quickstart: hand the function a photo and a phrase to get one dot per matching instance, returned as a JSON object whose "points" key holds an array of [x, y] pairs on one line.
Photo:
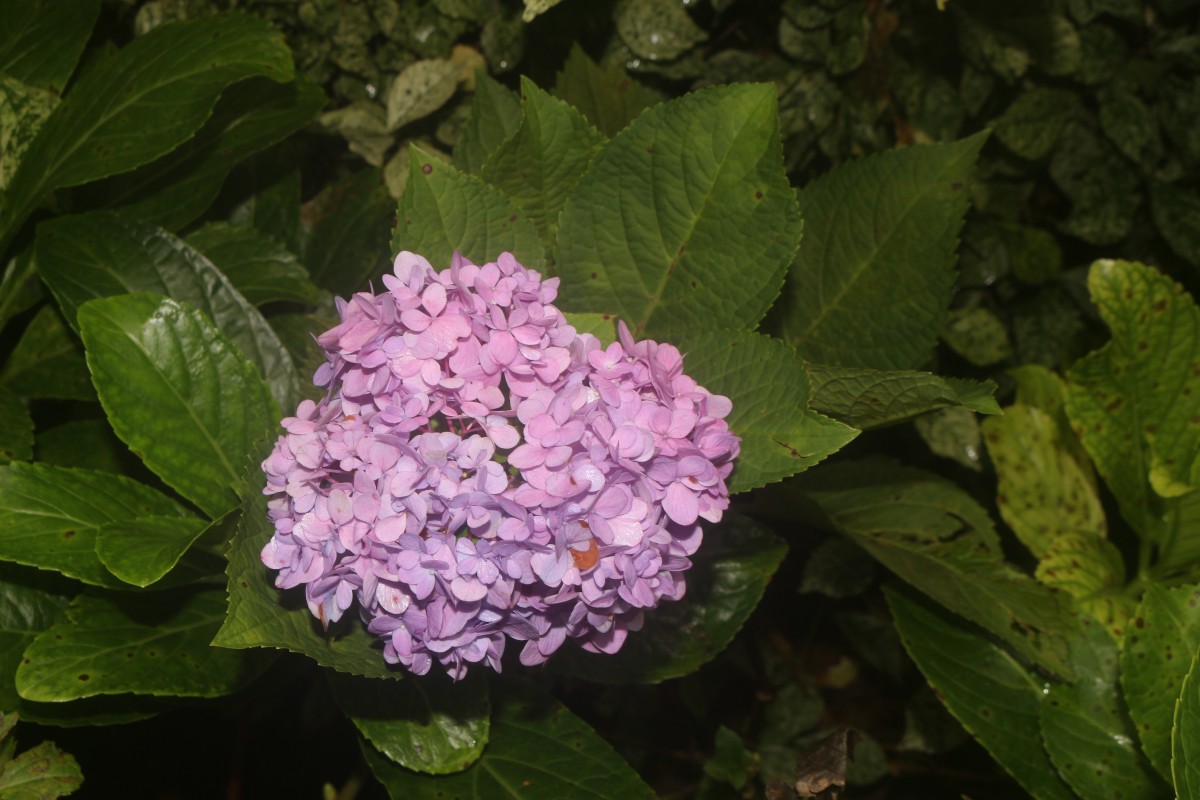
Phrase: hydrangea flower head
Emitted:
{"points": [[479, 471]]}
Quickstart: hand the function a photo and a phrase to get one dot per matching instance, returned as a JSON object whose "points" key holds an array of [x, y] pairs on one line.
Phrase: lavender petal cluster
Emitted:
{"points": [[478, 471]]}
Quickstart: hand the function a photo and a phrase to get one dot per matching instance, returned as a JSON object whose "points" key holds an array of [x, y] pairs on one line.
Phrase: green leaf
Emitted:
{"points": [[602, 326], [444, 210], [953, 433], [1092, 570], [119, 644], [495, 116], [1085, 729], [50, 516], [1030, 127], [535, 8], [685, 222], [1042, 490], [141, 103], [363, 124], [48, 361], [261, 616], [176, 189], [257, 264], [87, 444], [769, 390], [933, 535], [537, 750], [1185, 737], [658, 30], [1102, 187], [425, 723], [42, 772], [977, 335], [348, 244], [1176, 214], [868, 398], [420, 89], [539, 165], [142, 551], [177, 392], [25, 611], [275, 210], [1154, 662], [1129, 123], [985, 688], [730, 572], [838, 568], [731, 762], [103, 254], [16, 428], [606, 96], [43, 39], [1131, 401], [23, 111], [872, 281]]}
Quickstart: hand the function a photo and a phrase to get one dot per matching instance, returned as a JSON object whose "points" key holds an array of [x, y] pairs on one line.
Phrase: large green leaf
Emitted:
{"points": [[539, 166], [429, 723], [872, 281], [444, 210], [119, 644], [42, 772], [177, 392], [42, 40], [730, 572], [495, 116], [869, 398], [258, 265], [48, 361], [176, 189], [686, 221], [1133, 402], [608, 97], [142, 551], [933, 535], [1086, 731], [991, 694], [261, 616], [26, 610], [103, 254], [141, 103], [348, 244], [1154, 661], [769, 389], [538, 750], [86, 444], [50, 516], [1185, 737]]}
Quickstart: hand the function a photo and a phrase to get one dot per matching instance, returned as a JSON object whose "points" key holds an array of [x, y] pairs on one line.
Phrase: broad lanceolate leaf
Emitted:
{"points": [[42, 40], [933, 535], [869, 398], [1133, 402], [176, 189], [48, 361], [262, 616], [50, 516], [872, 281], [1185, 737], [537, 750], [348, 243], [258, 265], [103, 254], [25, 611], [42, 772], [1154, 661], [444, 210], [1086, 731], [609, 98], [538, 167], [141, 103], [730, 572], [686, 221], [769, 389], [16, 428], [144, 550], [119, 644], [991, 694], [427, 724], [177, 392], [495, 116]]}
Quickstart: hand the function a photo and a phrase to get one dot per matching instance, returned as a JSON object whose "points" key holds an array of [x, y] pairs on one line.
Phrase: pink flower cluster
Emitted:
{"points": [[481, 472]]}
